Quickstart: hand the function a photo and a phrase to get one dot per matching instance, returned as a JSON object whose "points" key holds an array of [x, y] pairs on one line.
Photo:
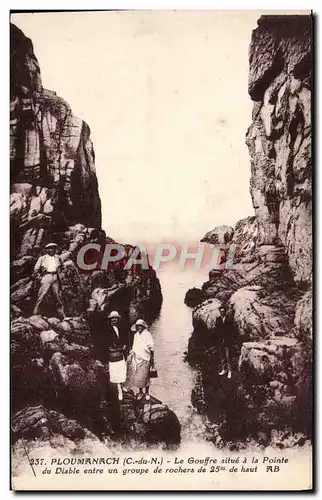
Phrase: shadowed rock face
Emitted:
{"points": [[51, 154], [279, 138], [269, 294], [54, 197]]}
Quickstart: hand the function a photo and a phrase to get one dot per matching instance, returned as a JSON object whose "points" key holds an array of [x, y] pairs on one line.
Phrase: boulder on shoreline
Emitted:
{"points": [[193, 297]]}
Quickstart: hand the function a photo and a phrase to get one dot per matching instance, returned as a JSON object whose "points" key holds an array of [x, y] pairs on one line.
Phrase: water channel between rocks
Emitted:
{"points": [[171, 332]]}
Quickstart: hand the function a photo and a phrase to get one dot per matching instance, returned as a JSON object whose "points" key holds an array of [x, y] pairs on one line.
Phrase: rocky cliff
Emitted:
{"points": [[269, 295], [58, 386]]}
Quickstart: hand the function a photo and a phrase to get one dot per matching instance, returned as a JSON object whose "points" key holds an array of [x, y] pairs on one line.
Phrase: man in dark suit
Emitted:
{"points": [[224, 330], [110, 344], [117, 342], [105, 336], [116, 334]]}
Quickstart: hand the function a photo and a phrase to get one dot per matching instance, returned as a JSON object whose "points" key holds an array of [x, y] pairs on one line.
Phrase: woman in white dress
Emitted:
{"points": [[140, 359]]}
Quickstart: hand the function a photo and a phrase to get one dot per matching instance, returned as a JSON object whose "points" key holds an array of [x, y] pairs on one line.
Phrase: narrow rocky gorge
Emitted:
{"points": [[269, 296], [57, 383]]}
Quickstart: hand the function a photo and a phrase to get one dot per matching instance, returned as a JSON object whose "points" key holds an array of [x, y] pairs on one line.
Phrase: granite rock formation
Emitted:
{"points": [[268, 288], [54, 198]]}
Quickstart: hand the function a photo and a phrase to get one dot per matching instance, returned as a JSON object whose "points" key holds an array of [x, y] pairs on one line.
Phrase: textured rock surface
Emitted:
{"points": [[204, 315], [54, 197], [279, 138], [50, 149], [221, 234], [268, 292], [260, 312], [149, 421], [50, 434], [303, 318], [38, 422]]}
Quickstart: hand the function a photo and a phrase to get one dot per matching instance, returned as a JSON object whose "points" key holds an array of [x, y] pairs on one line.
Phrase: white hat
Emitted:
{"points": [[138, 323], [51, 245], [114, 314]]}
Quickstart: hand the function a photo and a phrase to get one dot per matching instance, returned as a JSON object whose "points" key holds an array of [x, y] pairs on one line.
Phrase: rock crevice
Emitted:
{"points": [[269, 294]]}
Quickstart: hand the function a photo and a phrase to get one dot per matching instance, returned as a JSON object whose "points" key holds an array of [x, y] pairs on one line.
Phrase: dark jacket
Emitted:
{"points": [[104, 336], [111, 337], [225, 331]]}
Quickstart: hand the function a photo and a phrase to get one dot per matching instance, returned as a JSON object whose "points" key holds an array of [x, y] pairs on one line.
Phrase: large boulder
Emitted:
{"points": [[269, 360], [193, 297], [222, 283], [220, 235], [82, 379], [274, 382], [39, 422], [38, 322], [149, 421], [204, 316], [260, 312]]}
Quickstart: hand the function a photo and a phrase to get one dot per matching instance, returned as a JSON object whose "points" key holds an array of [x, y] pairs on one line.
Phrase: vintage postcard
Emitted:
{"points": [[161, 250]]}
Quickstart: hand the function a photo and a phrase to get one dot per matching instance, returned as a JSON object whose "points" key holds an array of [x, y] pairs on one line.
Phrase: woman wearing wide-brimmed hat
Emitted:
{"points": [[140, 359], [118, 342]]}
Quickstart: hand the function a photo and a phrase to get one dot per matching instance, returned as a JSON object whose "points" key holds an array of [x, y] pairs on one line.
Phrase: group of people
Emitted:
{"points": [[129, 363]]}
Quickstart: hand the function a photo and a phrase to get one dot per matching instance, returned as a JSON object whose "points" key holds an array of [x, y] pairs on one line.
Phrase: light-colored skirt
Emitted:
{"points": [[117, 371], [137, 372]]}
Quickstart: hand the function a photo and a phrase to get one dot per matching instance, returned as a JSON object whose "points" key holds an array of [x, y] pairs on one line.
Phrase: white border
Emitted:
{"points": [[4, 196]]}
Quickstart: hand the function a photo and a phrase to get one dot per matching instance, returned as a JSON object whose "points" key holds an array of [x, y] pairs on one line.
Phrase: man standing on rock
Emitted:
{"points": [[46, 269], [118, 344], [224, 330]]}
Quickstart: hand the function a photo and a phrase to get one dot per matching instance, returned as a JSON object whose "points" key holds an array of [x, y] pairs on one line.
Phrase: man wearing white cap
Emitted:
{"points": [[118, 342], [46, 268]]}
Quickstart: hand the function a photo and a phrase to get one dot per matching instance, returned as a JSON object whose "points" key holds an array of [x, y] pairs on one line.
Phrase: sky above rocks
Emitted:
{"points": [[165, 96]]}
